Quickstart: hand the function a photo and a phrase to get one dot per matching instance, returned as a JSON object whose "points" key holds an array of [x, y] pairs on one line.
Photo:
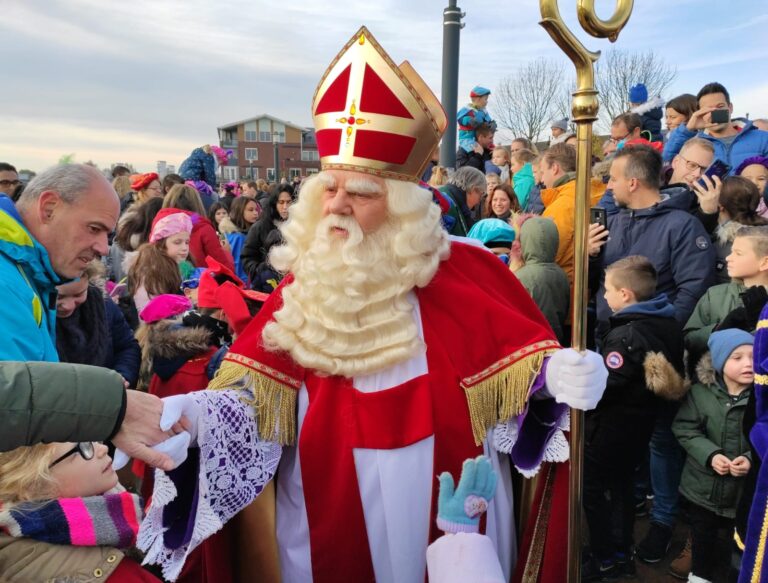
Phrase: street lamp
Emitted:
{"points": [[275, 142]]}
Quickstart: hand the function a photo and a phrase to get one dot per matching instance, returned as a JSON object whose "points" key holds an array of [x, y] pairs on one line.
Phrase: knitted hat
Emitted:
{"points": [[169, 222], [141, 181], [723, 342], [560, 123], [478, 91], [760, 160], [638, 94], [164, 306], [492, 232]]}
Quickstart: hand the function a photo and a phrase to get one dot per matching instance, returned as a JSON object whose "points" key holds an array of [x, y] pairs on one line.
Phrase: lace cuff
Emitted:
{"points": [[505, 439], [233, 468]]}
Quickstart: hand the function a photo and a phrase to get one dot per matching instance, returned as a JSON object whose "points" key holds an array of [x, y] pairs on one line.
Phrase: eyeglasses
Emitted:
{"points": [[155, 188], [190, 284], [10, 182], [84, 448], [691, 165]]}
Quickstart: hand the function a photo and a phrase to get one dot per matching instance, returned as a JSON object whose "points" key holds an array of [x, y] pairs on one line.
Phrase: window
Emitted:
{"points": [[265, 136], [250, 136], [270, 174], [312, 171], [294, 173], [310, 155], [230, 173], [251, 154], [250, 172]]}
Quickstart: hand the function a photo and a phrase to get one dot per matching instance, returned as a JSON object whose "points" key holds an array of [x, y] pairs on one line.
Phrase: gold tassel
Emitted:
{"points": [[503, 394], [274, 403]]}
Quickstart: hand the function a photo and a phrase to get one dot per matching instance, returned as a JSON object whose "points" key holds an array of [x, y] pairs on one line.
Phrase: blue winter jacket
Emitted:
{"points": [[676, 243], [749, 142], [28, 291]]}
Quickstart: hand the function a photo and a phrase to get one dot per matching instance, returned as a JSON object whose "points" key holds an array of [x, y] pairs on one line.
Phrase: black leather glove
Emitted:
{"points": [[754, 299], [737, 318]]}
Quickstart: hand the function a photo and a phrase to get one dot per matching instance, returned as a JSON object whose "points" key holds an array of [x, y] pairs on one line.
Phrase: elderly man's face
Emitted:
{"points": [[357, 195], [9, 180], [74, 234]]}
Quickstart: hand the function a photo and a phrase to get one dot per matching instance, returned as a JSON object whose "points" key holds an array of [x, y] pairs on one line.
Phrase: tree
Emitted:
{"points": [[527, 101], [67, 158], [617, 70]]}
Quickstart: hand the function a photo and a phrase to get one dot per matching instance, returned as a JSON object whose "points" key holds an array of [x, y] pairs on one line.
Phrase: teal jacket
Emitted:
{"points": [[28, 291], [522, 183]]}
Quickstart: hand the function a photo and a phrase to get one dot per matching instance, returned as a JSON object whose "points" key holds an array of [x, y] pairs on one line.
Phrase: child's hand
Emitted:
{"points": [[740, 467], [459, 508], [721, 464]]}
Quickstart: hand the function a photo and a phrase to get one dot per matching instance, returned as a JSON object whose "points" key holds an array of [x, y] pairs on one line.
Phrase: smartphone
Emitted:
{"points": [[720, 116], [598, 215], [717, 168]]}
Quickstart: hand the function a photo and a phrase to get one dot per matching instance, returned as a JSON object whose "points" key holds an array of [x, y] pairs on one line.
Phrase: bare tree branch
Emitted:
{"points": [[618, 70], [529, 99]]}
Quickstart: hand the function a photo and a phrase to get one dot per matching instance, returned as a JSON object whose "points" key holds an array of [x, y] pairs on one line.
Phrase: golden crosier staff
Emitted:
{"points": [[584, 113]]}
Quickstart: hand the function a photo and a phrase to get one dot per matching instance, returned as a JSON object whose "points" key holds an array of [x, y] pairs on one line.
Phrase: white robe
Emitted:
{"points": [[396, 492]]}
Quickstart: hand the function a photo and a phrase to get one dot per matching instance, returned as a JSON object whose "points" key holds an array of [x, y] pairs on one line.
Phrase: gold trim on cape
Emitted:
{"points": [[501, 391]]}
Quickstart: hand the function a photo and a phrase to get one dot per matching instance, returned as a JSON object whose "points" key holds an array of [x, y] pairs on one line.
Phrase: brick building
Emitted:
{"points": [[253, 142]]}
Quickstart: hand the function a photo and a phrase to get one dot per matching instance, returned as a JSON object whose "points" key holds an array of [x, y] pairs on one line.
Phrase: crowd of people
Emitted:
{"points": [[677, 279], [122, 294]]}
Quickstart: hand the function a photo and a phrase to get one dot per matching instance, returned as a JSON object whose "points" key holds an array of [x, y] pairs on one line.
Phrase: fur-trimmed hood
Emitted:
{"points": [[649, 105], [726, 232], [705, 370], [226, 226], [662, 378], [170, 339]]}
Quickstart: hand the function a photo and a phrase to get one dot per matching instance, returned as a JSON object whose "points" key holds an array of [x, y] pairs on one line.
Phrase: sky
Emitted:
{"points": [[145, 80]]}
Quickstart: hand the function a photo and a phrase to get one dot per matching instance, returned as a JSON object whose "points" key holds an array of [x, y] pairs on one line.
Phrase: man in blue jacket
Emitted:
{"points": [[656, 226], [59, 224], [734, 141]]}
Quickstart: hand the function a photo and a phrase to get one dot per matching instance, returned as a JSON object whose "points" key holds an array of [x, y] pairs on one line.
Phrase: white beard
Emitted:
{"points": [[346, 312]]}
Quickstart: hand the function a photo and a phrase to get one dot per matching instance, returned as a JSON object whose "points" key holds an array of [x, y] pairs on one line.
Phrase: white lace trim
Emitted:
{"points": [[557, 450], [234, 468]]}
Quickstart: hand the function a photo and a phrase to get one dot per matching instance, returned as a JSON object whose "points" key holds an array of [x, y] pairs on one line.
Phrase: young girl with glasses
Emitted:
{"points": [[64, 517]]}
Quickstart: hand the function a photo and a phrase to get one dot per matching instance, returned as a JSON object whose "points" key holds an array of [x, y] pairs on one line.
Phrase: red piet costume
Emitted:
{"points": [[356, 494]]}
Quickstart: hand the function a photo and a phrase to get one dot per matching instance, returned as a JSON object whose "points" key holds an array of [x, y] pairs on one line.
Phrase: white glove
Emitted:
{"points": [[575, 379], [176, 447]]}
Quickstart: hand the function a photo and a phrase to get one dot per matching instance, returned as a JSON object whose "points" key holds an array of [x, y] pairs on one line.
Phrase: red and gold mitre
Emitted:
{"points": [[372, 116]]}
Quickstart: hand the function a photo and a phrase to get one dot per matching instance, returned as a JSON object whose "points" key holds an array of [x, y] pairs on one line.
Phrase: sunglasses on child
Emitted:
{"points": [[84, 448], [190, 284]]}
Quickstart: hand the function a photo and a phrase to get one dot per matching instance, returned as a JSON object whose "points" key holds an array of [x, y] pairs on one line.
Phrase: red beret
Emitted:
{"points": [[144, 180]]}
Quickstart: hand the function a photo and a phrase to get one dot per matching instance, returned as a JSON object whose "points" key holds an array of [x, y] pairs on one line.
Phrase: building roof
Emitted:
{"points": [[262, 116]]}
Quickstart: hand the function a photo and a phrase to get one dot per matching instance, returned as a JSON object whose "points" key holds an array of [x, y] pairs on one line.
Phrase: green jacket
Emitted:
{"points": [[44, 402], [544, 279], [711, 309], [708, 423]]}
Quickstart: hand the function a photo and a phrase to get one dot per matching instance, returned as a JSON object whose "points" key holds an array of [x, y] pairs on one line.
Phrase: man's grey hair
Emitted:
{"points": [[69, 180], [467, 178]]}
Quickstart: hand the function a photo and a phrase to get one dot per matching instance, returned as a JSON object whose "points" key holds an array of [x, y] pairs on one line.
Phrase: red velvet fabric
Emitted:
{"points": [[383, 146], [376, 97], [328, 142], [335, 98]]}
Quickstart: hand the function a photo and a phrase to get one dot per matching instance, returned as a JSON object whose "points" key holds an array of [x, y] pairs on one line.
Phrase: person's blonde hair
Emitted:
{"points": [[758, 237], [186, 198], [122, 186], [439, 176], [24, 474], [524, 156]]}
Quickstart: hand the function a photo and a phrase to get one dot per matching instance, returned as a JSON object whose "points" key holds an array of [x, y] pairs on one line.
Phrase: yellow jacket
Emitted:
{"points": [[560, 206]]}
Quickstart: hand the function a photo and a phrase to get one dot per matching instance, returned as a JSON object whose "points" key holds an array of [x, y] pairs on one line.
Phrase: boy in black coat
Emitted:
{"points": [[643, 352]]}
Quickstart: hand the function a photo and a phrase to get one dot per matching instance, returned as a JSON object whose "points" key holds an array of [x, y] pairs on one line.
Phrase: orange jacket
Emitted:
{"points": [[560, 206]]}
